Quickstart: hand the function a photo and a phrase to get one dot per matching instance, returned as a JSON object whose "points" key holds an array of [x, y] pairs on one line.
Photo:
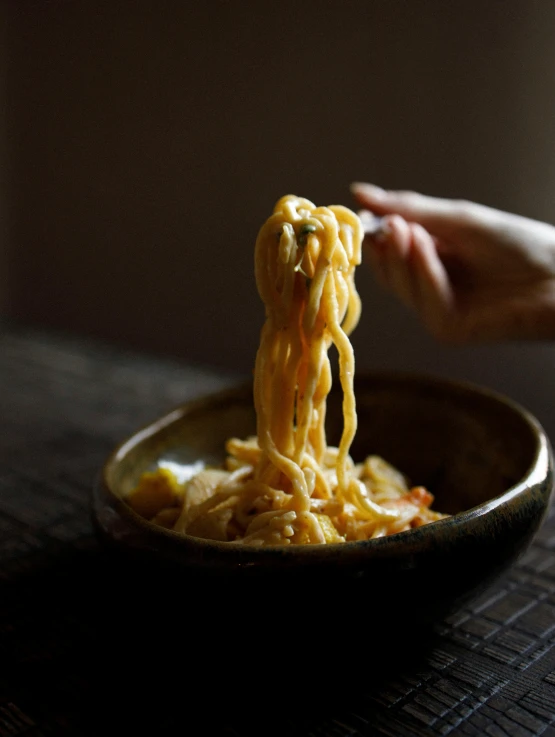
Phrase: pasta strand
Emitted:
{"points": [[287, 486]]}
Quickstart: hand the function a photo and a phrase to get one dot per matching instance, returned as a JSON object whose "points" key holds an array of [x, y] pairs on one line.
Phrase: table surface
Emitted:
{"points": [[64, 404]]}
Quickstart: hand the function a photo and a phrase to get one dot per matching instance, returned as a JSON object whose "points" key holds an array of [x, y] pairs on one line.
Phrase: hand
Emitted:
{"points": [[470, 272]]}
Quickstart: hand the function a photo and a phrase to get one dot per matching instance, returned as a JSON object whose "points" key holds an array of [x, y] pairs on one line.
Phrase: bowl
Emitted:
{"points": [[485, 458]]}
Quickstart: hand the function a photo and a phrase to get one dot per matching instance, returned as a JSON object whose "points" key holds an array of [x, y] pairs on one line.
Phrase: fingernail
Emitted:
{"points": [[368, 190]]}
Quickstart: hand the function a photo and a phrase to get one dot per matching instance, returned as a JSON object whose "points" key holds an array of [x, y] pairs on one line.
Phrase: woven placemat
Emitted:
{"points": [[66, 669]]}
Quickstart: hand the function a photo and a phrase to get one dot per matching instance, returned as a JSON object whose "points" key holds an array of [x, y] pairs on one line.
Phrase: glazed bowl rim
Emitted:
{"points": [[537, 471]]}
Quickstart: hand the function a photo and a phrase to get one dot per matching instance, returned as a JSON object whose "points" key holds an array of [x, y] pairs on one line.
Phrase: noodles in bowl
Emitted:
{"points": [[286, 485]]}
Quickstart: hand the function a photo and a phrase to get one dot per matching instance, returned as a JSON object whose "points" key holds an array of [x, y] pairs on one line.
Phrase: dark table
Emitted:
{"points": [[488, 670]]}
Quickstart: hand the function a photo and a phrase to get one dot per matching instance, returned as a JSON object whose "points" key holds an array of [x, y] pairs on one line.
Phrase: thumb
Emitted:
{"points": [[438, 216]]}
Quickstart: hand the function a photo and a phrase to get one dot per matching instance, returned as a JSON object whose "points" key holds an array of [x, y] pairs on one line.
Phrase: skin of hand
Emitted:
{"points": [[471, 272]]}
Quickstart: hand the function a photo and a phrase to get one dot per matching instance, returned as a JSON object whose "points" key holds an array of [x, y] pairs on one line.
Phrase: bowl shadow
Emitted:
{"points": [[175, 640]]}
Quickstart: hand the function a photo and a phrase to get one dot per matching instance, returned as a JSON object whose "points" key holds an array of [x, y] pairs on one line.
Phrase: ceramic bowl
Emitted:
{"points": [[485, 458]]}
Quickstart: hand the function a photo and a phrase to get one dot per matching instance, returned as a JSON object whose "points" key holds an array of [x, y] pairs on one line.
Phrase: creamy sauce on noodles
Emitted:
{"points": [[286, 485]]}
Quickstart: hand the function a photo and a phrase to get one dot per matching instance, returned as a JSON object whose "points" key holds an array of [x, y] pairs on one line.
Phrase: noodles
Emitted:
{"points": [[286, 485]]}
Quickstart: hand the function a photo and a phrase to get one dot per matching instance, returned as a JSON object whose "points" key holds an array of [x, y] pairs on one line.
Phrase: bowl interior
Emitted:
{"points": [[465, 444]]}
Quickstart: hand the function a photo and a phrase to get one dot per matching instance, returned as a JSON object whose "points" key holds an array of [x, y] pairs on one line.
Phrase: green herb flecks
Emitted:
{"points": [[304, 231]]}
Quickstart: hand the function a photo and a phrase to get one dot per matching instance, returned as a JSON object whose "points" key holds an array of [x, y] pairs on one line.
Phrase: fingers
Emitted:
{"points": [[441, 217], [405, 260], [434, 293], [395, 257]]}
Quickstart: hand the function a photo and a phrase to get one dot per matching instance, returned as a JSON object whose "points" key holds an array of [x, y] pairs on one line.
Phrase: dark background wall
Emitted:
{"points": [[146, 142]]}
